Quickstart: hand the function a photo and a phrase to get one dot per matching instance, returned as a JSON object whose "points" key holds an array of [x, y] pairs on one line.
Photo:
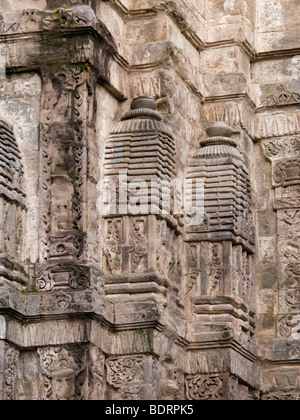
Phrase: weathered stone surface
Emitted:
{"points": [[118, 119]]}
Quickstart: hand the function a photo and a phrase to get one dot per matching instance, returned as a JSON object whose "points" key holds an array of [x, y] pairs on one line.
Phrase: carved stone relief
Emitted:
{"points": [[287, 173], [96, 374], [204, 387], [282, 96], [10, 372], [62, 372], [126, 375], [64, 99], [287, 147], [62, 276], [113, 245]]}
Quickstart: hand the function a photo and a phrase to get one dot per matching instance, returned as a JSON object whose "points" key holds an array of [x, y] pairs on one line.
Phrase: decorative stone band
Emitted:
{"points": [[219, 147], [139, 124], [218, 140], [32, 20]]}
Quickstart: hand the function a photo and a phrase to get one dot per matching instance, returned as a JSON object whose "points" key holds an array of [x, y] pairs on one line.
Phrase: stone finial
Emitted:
{"points": [[144, 102], [220, 129], [143, 107], [219, 133]]}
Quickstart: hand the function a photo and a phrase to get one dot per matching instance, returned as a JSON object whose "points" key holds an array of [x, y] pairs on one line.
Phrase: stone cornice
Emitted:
{"points": [[178, 14], [34, 39], [244, 45], [230, 343], [275, 54], [232, 97], [174, 54], [172, 9], [32, 21]]}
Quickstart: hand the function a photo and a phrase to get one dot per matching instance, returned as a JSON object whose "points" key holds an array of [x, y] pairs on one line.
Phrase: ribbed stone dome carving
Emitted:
{"points": [[11, 169], [142, 117], [141, 145]]}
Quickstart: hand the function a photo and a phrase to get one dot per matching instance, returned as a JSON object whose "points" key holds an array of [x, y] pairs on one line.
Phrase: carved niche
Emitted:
{"points": [[62, 157]]}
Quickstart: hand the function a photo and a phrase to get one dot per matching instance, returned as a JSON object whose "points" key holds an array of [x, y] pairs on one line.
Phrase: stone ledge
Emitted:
{"points": [[177, 12]]}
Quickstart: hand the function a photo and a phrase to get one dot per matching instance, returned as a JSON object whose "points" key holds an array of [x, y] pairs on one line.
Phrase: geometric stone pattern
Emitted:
{"points": [[157, 304]]}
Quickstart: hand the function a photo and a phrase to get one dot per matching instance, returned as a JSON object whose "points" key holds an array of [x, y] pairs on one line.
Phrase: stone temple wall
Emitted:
{"points": [[149, 305]]}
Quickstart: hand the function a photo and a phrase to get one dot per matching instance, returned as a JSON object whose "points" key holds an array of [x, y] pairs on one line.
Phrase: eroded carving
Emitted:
{"points": [[288, 396], [282, 96], [292, 285], [215, 270], [61, 276], [139, 249], [96, 374], [32, 20], [113, 245], [126, 375], [11, 359], [281, 148], [204, 387], [62, 372], [124, 370], [287, 173]]}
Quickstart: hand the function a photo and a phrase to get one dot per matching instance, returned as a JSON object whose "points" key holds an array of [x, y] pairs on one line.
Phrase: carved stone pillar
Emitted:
{"points": [[63, 156], [63, 263], [9, 358], [219, 262], [283, 382]]}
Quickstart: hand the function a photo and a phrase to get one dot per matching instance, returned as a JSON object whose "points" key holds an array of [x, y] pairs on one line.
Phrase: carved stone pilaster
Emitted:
{"points": [[63, 157], [219, 276], [283, 153]]}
